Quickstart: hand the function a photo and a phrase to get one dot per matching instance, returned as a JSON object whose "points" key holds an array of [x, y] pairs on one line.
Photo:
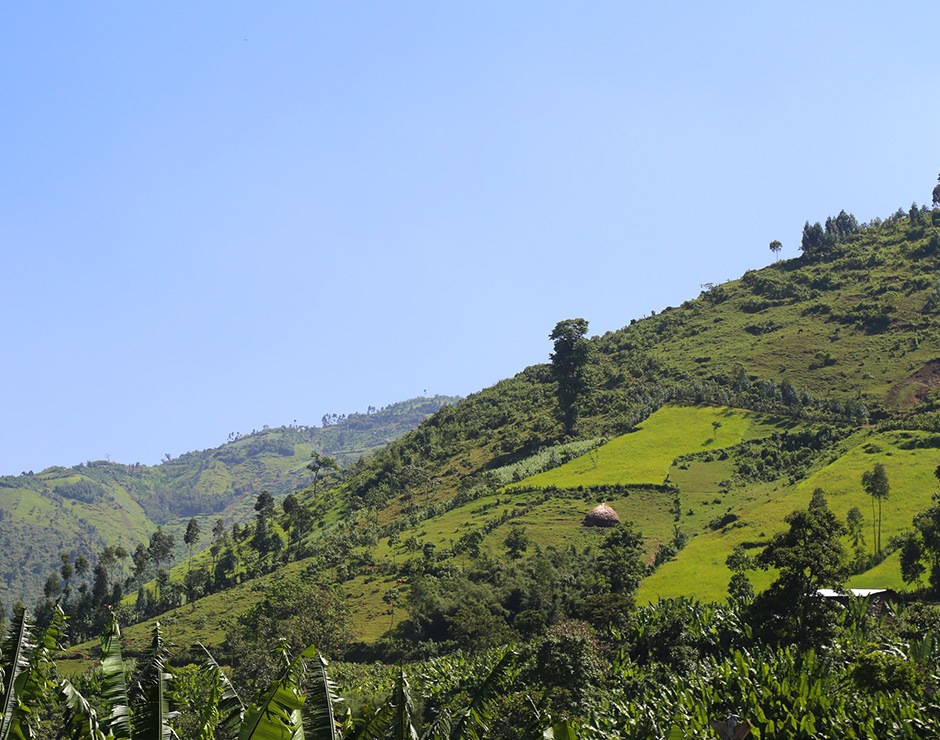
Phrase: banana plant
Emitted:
{"points": [[394, 719], [25, 661], [275, 714], [222, 710], [140, 713], [391, 721]]}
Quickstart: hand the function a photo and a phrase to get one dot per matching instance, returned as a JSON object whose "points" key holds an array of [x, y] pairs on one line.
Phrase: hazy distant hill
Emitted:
{"points": [[81, 509]]}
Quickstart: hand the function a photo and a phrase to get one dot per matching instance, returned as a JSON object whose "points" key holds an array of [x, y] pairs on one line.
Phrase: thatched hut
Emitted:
{"points": [[601, 516]]}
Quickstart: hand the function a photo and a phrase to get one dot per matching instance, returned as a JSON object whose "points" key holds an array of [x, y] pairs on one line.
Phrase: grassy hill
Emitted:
{"points": [[704, 425], [82, 509]]}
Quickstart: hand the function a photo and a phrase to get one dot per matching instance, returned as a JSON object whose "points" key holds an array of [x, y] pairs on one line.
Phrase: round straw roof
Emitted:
{"points": [[601, 516]]}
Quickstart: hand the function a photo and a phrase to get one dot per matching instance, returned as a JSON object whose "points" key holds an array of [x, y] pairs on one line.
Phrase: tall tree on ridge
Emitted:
{"points": [[569, 363]]}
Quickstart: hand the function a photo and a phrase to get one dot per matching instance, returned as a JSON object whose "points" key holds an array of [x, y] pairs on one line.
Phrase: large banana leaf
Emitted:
{"points": [[473, 721], [440, 728], [150, 696], [113, 686], [223, 710], [375, 726], [151, 715], [16, 649], [24, 672], [402, 729], [81, 720], [276, 715], [322, 725]]}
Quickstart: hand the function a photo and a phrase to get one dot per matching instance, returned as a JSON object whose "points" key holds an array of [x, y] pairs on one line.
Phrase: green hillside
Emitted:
{"points": [[81, 510], [704, 425]]}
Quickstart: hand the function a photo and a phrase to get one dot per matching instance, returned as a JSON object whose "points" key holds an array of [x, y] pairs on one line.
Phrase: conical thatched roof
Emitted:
{"points": [[601, 516]]}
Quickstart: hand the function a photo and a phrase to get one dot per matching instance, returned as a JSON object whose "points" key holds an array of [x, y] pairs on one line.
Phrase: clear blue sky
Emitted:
{"points": [[220, 215]]}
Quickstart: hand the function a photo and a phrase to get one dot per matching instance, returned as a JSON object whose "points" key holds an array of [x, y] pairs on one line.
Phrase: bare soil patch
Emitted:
{"points": [[913, 389]]}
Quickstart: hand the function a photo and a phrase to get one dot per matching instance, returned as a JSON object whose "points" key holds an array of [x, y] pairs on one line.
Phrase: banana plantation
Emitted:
{"points": [[666, 671]]}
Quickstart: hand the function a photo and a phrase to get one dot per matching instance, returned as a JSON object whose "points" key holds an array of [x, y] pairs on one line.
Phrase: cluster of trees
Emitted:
{"points": [[491, 601], [820, 243]]}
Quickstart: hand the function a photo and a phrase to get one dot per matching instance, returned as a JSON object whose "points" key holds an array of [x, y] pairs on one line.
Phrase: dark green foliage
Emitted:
{"points": [[786, 454], [807, 557], [879, 671], [298, 611], [824, 244], [740, 589], [569, 363], [926, 542], [491, 602], [516, 542], [621, 559], [568, 661]]}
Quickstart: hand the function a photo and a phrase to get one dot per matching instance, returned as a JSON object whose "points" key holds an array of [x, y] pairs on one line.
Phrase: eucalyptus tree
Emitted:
{"points": [[191, 538], [320, 463], [875, 483]]}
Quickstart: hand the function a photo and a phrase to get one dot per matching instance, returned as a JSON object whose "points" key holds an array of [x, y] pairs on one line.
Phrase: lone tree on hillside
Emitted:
{"points": [[191, 538], [775, 247], [875, 483], [320, 462], [807, 557], [569, 365]]}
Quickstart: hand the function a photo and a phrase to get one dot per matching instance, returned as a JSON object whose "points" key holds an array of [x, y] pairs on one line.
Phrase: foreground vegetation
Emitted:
{"points": [[663, 671]]}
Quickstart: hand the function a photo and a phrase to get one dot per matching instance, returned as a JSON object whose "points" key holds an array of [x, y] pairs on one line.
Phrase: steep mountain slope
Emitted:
{"points": [[842, 337], [705, 424], [82, 509]]}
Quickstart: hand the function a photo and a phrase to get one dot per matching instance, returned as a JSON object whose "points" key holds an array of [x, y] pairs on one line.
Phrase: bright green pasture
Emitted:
{"points": [[644, 456], [699, 569]]}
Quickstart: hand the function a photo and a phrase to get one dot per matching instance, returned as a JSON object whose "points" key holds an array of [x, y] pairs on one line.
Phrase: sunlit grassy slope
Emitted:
{"points": [[645, 456], [909, 459]]}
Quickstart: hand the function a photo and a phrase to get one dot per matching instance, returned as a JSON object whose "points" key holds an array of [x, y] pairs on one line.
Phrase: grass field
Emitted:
{"points": [[909, 459], [645, 456]]}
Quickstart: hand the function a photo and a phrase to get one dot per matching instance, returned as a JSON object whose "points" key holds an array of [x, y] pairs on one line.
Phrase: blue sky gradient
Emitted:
{"points": [[215, 216]]}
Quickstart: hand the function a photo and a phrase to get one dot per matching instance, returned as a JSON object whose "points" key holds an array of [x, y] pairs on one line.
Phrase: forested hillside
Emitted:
{"points": [[81, 510], [775, 435]]}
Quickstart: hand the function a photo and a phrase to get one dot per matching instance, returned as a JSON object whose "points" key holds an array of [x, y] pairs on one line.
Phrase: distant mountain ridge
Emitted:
{"points": [[82, 508]]}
